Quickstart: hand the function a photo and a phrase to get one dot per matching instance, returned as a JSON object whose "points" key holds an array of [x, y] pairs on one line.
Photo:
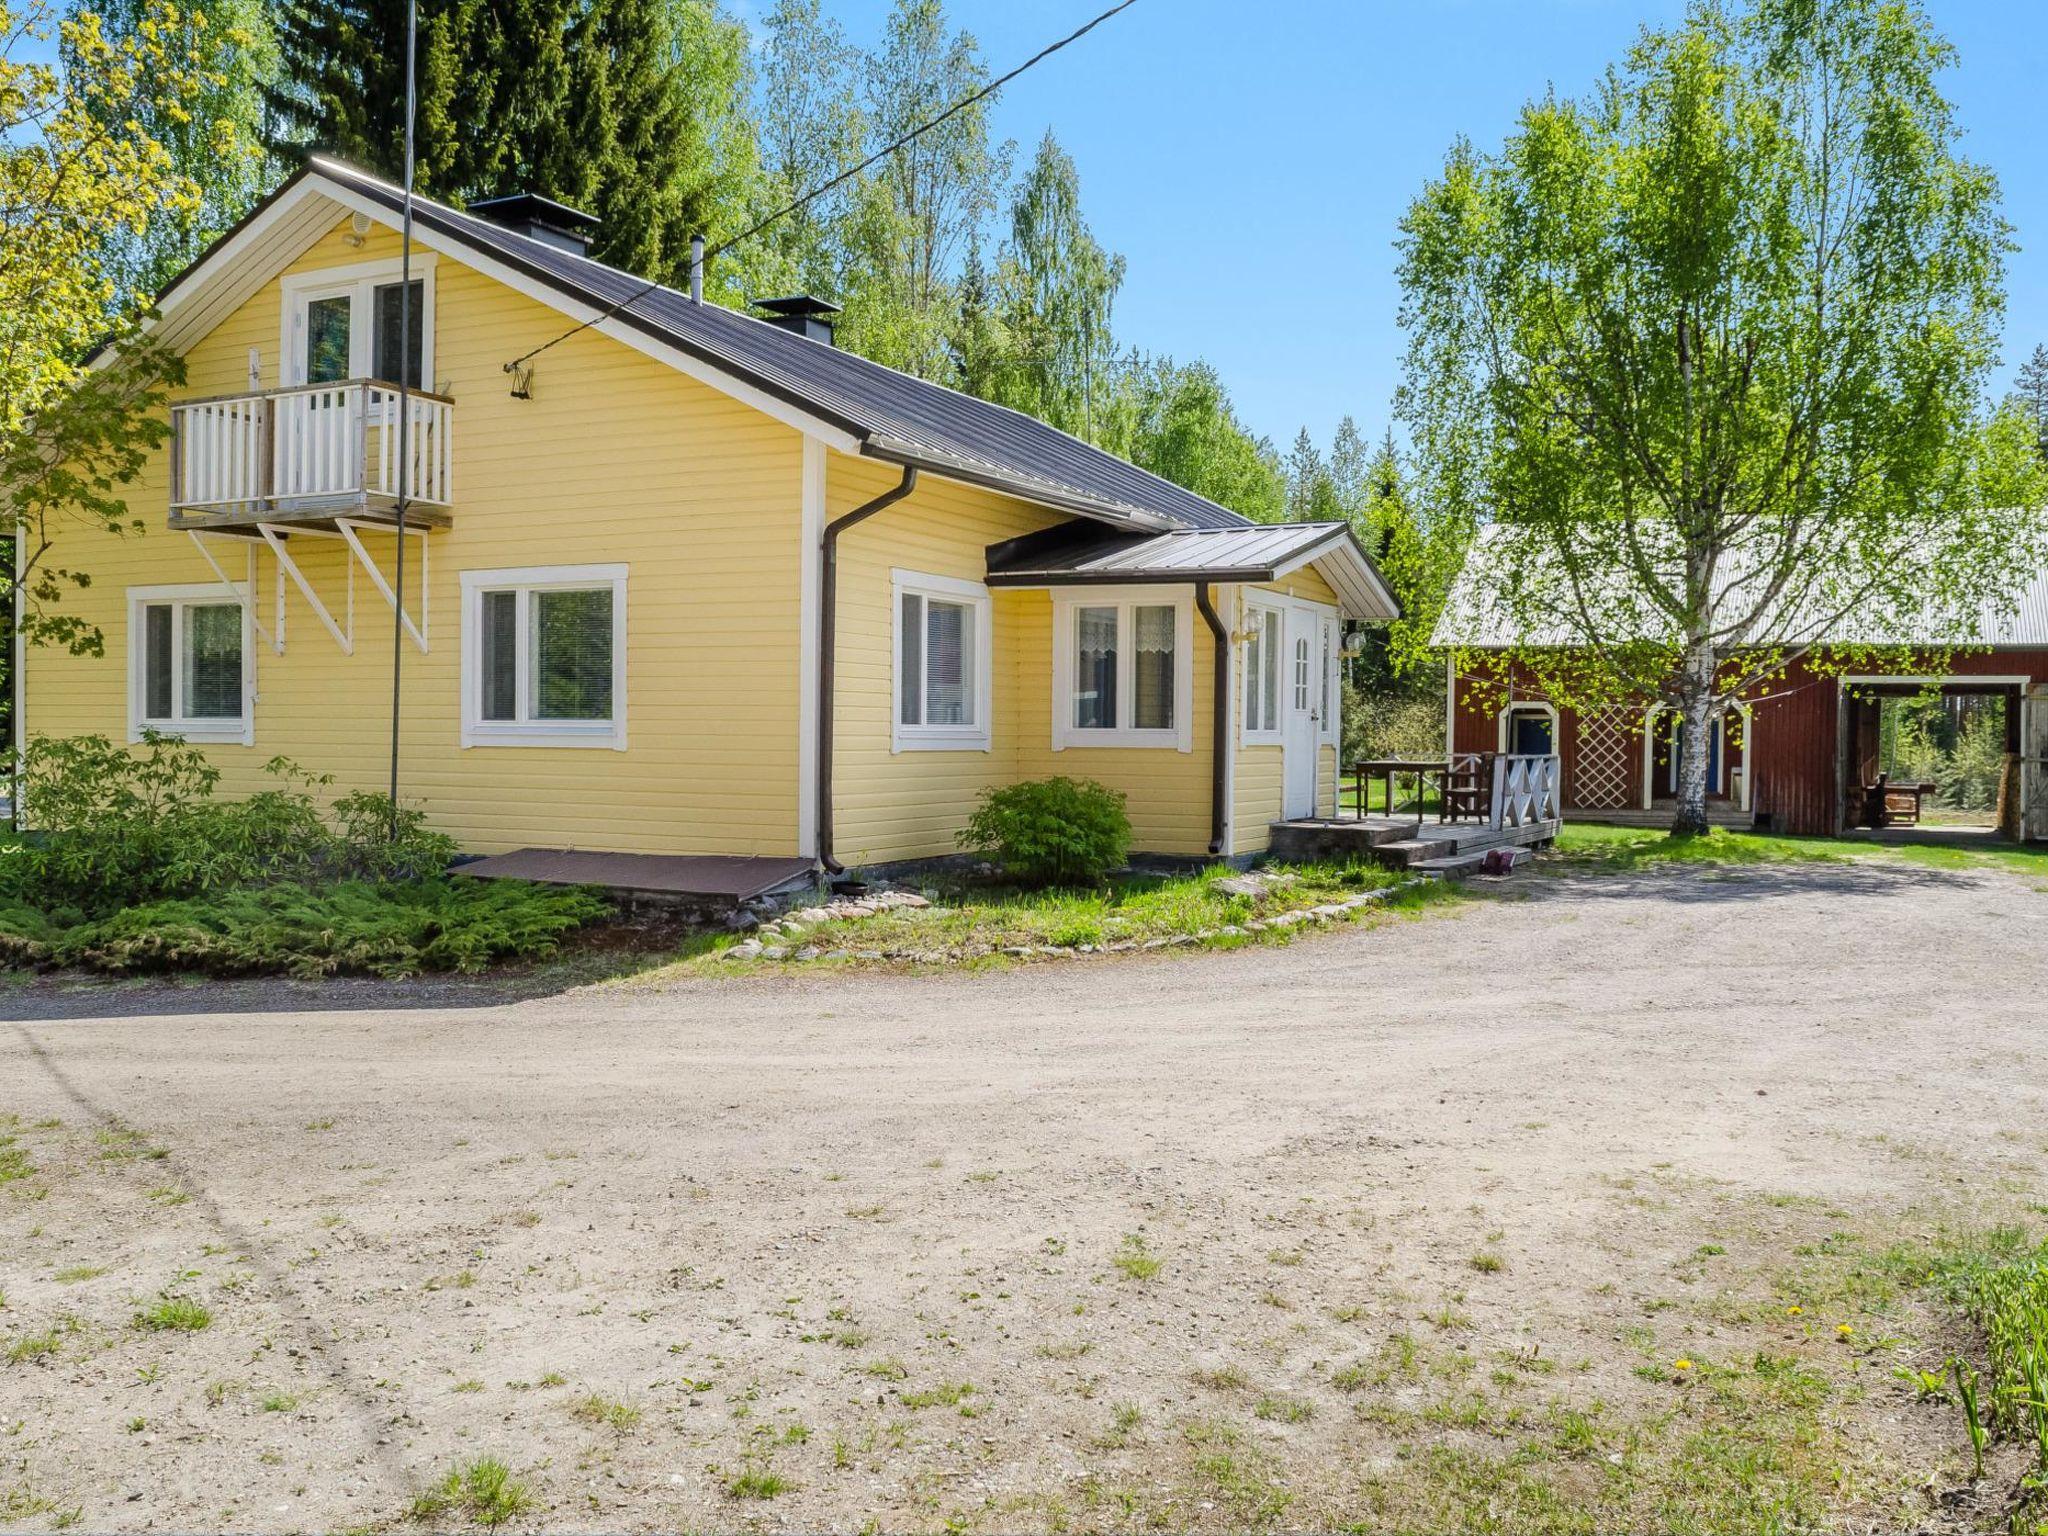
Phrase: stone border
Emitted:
{"points": [[771, 940]]}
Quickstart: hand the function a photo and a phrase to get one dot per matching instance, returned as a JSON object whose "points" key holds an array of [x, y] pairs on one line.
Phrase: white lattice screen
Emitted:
{"points": [[1603, 761]]}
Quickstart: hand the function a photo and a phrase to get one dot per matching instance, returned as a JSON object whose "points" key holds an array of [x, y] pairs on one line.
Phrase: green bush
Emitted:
{"points": [[1056, 831], [354, 927], [115, 826]]}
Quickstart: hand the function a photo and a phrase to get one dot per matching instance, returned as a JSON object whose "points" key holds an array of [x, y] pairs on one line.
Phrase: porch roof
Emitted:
{"points": [[1079, 554]]}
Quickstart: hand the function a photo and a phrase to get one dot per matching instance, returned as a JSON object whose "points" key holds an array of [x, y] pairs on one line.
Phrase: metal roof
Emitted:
{"points": [[1077, 554], [899, 418], [1477, 615]]}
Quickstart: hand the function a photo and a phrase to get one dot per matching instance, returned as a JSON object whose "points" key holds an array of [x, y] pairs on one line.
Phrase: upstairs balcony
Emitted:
{"points": [[308, 455]]}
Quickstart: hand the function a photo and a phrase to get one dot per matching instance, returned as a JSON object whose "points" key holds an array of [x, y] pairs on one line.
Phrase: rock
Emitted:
{"points": [[808, 952], [750, 949], [739, 920], [1242, 885], [775, 952]]}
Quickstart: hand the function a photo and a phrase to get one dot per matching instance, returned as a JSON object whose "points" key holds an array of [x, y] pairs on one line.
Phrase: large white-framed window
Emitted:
{"points": [[1264, 664], [944, 664], [191, 663], [1123, 668], [544, 657], [344, 323]]}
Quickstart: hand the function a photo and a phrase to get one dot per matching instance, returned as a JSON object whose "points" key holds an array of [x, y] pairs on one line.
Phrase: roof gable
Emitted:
{"points": [[853, 404]]}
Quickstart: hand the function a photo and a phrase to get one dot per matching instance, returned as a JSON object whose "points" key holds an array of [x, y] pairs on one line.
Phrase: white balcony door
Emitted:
{"points": [[1300, 716]]}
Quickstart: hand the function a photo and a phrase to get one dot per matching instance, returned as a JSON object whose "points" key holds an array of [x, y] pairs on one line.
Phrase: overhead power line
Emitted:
{"points": [[840, 180]]}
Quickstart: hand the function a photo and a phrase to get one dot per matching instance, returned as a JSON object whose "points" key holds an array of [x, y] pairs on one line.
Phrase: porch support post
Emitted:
{"points": [[1219, 725]]}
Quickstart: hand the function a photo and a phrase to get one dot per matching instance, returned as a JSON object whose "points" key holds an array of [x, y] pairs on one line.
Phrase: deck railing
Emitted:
{"points": [[321, 443], [1525, 790]]}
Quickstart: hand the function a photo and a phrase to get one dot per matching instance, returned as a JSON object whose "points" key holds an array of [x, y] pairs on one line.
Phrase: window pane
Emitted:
{"points": [[156, 661], [327, 340], [1152, 669], [1254, 672], [1269, 681], [384, 339], [910, 688], [949, 663], [572, 655], [1329, 637], [500, 650], [1301, 673], [1095, 669], [213, 661]]}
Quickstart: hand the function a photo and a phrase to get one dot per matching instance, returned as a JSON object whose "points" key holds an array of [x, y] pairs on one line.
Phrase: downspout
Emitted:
{"points": [[828, 604], [1219, 727]]}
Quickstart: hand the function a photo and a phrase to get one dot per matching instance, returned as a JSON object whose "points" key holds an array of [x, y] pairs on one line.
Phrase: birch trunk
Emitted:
{"points": [[1696, 715]]}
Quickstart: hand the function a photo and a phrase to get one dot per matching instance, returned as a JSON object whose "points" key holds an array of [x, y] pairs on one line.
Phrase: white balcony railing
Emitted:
{"points": [[320, 446]]}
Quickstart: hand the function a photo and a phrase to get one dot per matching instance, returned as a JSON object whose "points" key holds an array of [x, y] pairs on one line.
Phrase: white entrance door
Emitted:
{"points": [[1299, 697], [2034, 765]]}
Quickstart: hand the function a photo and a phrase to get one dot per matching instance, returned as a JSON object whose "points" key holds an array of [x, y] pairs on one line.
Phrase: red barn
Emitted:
{"points": [[1804, 759]]}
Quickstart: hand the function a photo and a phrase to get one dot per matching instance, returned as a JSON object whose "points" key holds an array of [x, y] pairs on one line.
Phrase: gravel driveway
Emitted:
{"points": [[1087, 1243]]}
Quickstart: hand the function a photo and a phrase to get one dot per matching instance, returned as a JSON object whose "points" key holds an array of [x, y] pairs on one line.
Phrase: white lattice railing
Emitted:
{"points": [[317, 443], [1525, 790]]}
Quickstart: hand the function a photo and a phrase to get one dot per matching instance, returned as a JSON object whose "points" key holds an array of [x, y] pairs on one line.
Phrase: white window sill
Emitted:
{"points": [[216, 732], [1080, 739], [915, 739], [1264, 739], [604, 735]]}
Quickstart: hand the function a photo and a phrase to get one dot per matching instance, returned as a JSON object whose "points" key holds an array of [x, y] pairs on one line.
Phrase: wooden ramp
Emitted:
{"points": [[1430, 848], [702, 877]]}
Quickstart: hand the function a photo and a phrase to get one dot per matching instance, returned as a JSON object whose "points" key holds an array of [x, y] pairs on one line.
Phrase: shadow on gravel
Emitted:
{"points": [[1696, 883], [57, 998]]}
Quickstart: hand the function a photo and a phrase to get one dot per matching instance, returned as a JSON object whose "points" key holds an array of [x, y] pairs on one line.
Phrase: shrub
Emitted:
{"points": [[356, 927], [116, 826], [1056, 831]]}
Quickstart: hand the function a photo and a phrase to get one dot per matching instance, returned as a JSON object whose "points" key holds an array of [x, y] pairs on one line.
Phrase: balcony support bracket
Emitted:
{"points": [[247, 597], [349, 530], [274, 537]]}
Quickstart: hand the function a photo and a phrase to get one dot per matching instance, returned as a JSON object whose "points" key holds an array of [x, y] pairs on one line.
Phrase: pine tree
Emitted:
{"points": [[2030, 394]]}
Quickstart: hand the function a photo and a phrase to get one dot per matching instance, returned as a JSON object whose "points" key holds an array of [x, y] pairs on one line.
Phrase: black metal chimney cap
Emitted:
{"points": [[798, 306], [532, 208]]}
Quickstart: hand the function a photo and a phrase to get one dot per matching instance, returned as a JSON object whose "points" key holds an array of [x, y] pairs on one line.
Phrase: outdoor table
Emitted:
{"points": [[1389, 770]]}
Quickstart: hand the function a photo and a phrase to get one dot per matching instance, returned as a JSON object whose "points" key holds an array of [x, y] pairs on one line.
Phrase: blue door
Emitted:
{"points": [[1531, 736]]}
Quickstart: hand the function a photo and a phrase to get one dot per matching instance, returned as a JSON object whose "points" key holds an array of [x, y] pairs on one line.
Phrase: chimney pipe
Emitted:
{"points": [[696, 269]]}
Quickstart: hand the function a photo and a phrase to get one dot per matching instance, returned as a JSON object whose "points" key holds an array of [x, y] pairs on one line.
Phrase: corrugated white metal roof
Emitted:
{"points": [[1478, 616]]}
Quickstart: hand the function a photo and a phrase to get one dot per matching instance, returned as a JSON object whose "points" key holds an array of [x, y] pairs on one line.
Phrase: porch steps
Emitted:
{"points": [[1449, 849]]}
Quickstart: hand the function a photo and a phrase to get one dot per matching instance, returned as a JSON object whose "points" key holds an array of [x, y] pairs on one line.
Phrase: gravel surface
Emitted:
{"points": [[784, 1220]]}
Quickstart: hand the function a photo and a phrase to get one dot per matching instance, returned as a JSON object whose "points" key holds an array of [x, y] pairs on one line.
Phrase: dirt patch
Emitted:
{"points": [[1408, 1227]]}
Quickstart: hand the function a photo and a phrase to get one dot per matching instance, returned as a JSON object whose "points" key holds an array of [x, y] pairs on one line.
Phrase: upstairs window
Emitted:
{"points": [[943, 663], [190, 663], [544, 657], [345, 323]]}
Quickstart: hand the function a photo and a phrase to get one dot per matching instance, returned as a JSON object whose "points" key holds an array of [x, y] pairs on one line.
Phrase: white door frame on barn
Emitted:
{"points": [[2034, 764]]}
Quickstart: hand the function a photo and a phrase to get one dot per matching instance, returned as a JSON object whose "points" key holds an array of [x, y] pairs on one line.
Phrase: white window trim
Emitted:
{"points": [[1255, 610], [1330, 707], [359, 282], [979, 736], [202, 593], [1505, 727], [1066, 604], [479, 732]]}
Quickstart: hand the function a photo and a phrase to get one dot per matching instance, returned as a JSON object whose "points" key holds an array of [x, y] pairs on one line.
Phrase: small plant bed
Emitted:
{"points": [[967, 920], [134, 866], [2000, 1389]]}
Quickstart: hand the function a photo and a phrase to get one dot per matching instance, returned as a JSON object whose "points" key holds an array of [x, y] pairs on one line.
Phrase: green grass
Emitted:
{"points": [[971, 920], [173, 1314], [1627, 848], [611, 1413], [2002, 1390], [1134, 1261], [485, 1490], [757, 1483]]}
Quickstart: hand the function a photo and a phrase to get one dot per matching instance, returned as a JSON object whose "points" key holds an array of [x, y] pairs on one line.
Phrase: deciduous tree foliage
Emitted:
{"points": [[1712, 343], [81, 177]]}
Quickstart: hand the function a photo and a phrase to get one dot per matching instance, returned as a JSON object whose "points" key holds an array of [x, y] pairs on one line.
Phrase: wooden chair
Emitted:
{"points": [[1876, 812], [1467, 788]]}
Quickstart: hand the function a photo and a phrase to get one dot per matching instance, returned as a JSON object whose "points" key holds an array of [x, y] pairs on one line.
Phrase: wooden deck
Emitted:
{"points": [[1433, 848], [702, 877]]}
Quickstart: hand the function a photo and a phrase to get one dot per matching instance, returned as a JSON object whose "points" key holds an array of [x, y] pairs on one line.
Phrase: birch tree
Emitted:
{"points": [[1713, 344]]}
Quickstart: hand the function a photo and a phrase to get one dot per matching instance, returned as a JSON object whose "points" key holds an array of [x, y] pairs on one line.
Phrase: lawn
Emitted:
{"points": [[1584, 845], [980, 922]]}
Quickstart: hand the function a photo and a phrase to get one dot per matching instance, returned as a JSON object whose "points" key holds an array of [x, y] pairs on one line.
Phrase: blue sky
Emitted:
{"points": [[1252, 161]]}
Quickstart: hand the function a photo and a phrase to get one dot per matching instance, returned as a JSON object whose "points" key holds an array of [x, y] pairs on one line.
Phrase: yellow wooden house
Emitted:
{"points": [[688, 584]]}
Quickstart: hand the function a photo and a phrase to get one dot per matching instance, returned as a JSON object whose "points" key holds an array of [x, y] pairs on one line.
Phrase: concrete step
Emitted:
{"points": [[1454, 867]]}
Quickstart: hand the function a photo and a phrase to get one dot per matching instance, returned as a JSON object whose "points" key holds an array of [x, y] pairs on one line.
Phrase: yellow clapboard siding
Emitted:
{"points": [[616, 458]]}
